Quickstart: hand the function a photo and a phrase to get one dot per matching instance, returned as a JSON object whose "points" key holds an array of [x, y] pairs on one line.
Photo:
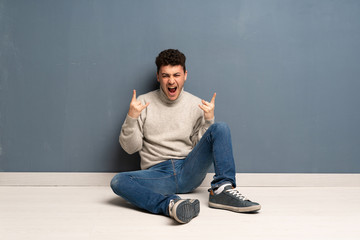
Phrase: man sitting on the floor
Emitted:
{"points": [[178, 140]]}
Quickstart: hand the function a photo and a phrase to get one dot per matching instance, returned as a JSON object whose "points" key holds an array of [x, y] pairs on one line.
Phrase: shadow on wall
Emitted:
{"points": [[126, 162]]}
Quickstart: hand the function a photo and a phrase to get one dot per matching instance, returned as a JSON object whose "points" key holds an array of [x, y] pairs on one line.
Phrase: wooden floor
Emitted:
{"points": [[96, 213]]}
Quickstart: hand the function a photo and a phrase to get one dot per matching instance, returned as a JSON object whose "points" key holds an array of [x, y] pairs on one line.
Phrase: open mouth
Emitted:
{"points": [[172, 89]]}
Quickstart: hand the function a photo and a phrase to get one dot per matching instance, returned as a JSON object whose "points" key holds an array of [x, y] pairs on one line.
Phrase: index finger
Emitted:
{"points": [[134, 95], [213, 98]]}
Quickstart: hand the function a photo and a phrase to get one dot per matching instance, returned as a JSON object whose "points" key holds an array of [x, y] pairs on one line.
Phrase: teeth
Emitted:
{"points": [[172, 89]]}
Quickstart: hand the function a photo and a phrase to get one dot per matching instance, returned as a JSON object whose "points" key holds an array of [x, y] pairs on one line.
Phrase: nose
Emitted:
{"points": [[171, 81]]}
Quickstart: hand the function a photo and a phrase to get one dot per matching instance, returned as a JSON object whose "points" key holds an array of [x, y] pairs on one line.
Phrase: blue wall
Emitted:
{"points": [[286, 73]]}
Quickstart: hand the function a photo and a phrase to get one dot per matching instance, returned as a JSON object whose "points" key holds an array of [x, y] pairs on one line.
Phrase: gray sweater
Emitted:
{"points": [[165, 129]]}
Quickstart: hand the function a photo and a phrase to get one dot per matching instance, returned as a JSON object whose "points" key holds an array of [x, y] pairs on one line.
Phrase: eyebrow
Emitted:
{"points": [[170, 74]]}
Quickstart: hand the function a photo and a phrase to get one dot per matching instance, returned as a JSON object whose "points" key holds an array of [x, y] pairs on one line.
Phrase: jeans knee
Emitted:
{"points": [[220, 127], [116, 182]]}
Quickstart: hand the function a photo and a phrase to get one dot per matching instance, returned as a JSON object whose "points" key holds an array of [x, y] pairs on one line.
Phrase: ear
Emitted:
{"points": [[157, 77], [185, 75]]}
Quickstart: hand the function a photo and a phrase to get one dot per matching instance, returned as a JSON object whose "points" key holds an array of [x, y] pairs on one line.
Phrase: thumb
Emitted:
{"points": [[145, 106]]}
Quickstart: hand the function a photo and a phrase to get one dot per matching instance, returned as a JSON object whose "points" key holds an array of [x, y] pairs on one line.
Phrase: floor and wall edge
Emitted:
{"points": [[243, 179]]}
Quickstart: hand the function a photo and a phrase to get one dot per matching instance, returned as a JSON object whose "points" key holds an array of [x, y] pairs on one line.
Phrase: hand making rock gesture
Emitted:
{"points": [[208, 108], [136, 106]]}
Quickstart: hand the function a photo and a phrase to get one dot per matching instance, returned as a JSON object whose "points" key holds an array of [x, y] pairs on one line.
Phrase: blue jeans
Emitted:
{"points": [[153, 188]]}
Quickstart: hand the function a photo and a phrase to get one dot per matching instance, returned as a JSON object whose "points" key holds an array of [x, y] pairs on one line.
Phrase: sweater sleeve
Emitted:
{"points": [[131, 135], [200, 128]]}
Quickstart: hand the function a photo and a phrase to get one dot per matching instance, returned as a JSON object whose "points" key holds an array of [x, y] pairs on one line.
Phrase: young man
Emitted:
{"points": [[178, 141]]}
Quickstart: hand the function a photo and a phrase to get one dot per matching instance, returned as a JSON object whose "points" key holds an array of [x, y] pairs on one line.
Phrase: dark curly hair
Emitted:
{"points": [[171, 57]]}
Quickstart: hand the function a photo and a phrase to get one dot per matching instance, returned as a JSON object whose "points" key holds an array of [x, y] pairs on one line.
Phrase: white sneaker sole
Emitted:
{"points": [[235, 209]]}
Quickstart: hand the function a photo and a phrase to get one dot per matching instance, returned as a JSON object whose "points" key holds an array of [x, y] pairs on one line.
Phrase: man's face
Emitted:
{"points": [[172, 79]]}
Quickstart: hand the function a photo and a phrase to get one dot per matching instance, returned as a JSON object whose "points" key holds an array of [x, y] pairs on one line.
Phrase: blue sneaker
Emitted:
{"points": [[183, 210], [231, 199]]}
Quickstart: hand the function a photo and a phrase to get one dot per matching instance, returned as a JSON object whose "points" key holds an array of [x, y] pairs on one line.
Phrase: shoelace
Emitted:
{"points": [[237, 194]]}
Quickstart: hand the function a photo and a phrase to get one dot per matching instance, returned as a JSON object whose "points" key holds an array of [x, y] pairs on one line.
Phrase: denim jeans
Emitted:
{"points": [[153, 188]]}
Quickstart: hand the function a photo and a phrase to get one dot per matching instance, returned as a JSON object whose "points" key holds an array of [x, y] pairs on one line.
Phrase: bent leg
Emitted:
{"points": [[149, 189], [214, 147]]}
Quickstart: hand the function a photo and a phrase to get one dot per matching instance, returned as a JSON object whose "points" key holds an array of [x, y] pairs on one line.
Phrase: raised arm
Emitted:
{"points": [[131, 136]]}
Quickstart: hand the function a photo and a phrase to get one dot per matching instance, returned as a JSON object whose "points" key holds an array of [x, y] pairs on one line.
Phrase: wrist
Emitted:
{"points": [[133, 115], [209, 117]]}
